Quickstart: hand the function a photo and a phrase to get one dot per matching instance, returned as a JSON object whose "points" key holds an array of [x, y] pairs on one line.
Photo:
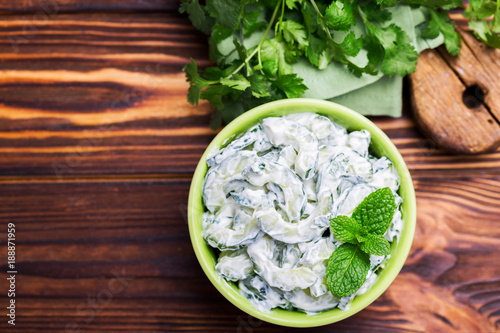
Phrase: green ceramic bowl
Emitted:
{"points": [[381, 144]]}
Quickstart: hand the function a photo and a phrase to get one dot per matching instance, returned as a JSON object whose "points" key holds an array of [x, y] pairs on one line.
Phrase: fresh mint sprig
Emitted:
{"points": [[362, 235]]}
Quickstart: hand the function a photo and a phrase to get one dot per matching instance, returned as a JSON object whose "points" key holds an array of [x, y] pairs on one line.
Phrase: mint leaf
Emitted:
{"points": [[376, 211], [345, 229], [347, 269], [375, 244]]}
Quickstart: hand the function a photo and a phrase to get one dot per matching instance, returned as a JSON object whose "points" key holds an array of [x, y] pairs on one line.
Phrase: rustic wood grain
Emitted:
{"points": [[120, 87], [52, 7], [97, 149], [76, 235], [444, 110], [125, 103], [478, 65]]}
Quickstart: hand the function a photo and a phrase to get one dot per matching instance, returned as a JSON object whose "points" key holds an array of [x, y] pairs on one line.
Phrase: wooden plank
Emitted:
{"points": [[178, 314], [153, 43], [76, 239], [130, 123], [53, 7], [479, 65], [462, 115], [128, 128], [124, 108]]}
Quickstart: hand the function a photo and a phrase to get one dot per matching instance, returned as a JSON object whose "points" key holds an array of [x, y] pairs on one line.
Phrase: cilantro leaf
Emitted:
{"points": [[316, 52], [251, 71], [387, 3], [291, 3], [440, 22], [480, 9], [351, 45], [447, 4], [484, 32], [213, 53], [237, 81], [216, 120], [345, 229], [214, 94], [310, 17], [290, 84], [226, 12], [220, 32], [213, 73], [347, 269], [273, 55], [340, 15], [452, 5], [196, 82], [400, 56], [294, 32], [197, 15], [258, 84], [495, 23], [376, 211], [374, 12], [375, 244], [251, 23], [399, 60]]}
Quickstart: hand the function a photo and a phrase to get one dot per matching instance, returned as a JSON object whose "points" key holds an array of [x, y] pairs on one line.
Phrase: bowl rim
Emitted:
{"points": [[344, 116]]}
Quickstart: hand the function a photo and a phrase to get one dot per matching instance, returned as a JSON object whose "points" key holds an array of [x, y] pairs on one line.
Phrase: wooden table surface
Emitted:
{"points": [[97, 149]]}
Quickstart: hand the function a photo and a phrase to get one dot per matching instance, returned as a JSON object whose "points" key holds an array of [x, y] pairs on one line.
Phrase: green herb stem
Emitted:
{"points": [[323, 24], [281, 17], [257, 49]]}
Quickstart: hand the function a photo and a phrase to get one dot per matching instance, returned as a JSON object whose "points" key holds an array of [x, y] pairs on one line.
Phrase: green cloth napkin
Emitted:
{"points": [[368, 94]]}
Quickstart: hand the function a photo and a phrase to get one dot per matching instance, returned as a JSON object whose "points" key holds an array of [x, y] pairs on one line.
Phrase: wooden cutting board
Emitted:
{"points": [[456, 100]]}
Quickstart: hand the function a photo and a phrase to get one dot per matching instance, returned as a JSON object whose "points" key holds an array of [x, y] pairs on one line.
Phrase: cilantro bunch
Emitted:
{"points": [[269, 36], [362, 234], [488, 31]]}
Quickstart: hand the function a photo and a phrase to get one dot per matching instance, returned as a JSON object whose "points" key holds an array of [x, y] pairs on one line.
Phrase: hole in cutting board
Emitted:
{"points": [[473, 96]]}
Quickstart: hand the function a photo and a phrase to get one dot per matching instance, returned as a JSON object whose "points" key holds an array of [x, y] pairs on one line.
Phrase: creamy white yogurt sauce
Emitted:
{"points": [[270, 194]]}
